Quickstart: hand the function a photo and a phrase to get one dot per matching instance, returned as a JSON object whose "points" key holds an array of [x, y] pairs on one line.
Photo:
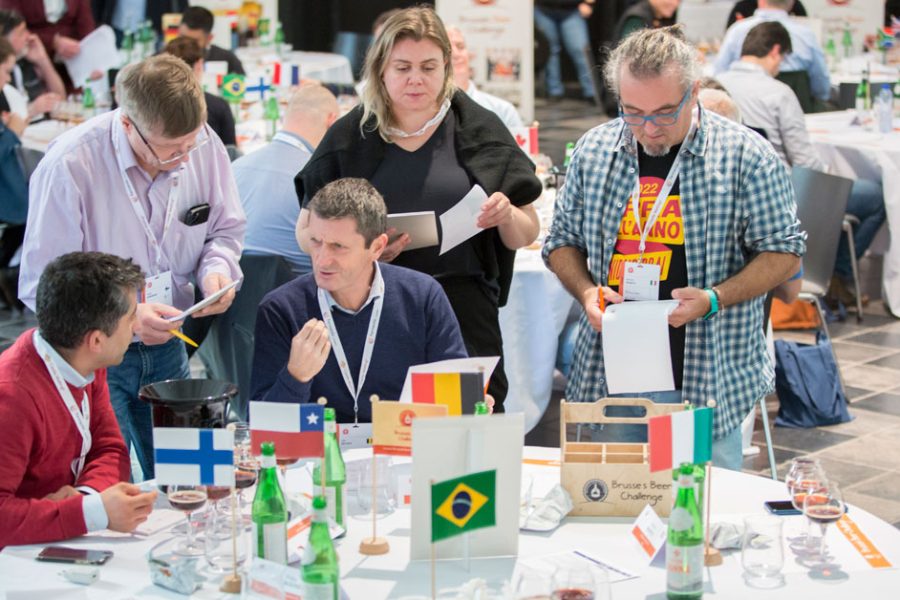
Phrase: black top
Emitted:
{"points": [[217, 53], [4, 103], [746, 8], [567, 4], [640, 16], [219, 118], [675, 276], [34, 85], [429, 178], [484, 148]]}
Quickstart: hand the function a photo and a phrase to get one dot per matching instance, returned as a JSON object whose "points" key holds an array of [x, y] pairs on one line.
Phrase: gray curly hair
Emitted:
{"points": [[649, 53]]}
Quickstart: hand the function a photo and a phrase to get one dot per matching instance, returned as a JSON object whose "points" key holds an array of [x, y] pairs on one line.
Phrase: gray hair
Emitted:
{"points": [[780, 4], [161, 94], [355, 198], [720, 103], [649, 53]]}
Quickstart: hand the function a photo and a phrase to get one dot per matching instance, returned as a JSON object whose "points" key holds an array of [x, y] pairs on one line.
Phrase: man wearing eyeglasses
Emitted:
{"points": [[716, 229], [149, 182]]}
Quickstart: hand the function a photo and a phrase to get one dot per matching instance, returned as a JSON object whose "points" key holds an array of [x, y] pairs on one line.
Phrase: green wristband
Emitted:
{"points": [[713, 304]]}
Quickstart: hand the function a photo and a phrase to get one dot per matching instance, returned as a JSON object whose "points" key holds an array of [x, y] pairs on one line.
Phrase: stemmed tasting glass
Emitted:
{"points": [[823, 506], [580, 583], [246, 466], [806, 474], [188, 498]]}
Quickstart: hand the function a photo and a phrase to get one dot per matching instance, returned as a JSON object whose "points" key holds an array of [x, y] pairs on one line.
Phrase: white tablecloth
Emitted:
{"points": [[853, 152], [393, 576], [531, 323]]}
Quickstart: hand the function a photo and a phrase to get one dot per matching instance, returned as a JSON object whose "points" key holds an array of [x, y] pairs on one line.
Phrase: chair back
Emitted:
{"points": [[227, 351], [798, 81], [233, 151], [821, 202], [29, 159]]}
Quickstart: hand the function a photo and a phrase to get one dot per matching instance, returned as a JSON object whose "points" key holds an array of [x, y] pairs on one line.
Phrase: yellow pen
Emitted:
{"points": [[184, 338]]}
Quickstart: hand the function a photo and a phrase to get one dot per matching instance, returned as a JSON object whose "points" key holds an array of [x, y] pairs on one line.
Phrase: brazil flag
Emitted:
{"points": [[233, 87], [463, 504]]}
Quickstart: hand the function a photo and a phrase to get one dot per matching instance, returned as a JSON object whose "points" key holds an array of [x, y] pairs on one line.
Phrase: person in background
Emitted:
{"points": [[727, 233], [265, 178], [218, 113], [719, 102], [745, 8], [563, 23], [64, 463], [356, 23], [423, 145], [772, 106], [353, 327], [59, 24], [806, 54], [462, 72], [197, 22], [651, 14], [13, 185], [148, 181], [34, 76], [129, 15]]}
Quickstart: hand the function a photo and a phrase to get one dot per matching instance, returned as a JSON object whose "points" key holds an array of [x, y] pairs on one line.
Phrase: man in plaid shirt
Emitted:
{"points": [[723, 233]]}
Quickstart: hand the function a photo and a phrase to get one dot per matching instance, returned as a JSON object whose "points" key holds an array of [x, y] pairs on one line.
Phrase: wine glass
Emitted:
{"points": [[805, 474], [188, 498], [580, 583], [385, 491], [824, 505], [246, 466]]}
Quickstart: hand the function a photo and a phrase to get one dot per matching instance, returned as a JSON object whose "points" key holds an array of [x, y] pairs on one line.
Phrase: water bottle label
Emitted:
{"points": [[319, 591], [684, 566], [680, 519], [270, 542]]}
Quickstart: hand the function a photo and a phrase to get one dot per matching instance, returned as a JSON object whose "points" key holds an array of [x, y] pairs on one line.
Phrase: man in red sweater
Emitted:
{"points": [[64, 463]]}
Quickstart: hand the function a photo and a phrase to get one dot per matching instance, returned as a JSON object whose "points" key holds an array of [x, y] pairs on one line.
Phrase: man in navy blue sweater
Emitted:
{"points": [[352, 327]]}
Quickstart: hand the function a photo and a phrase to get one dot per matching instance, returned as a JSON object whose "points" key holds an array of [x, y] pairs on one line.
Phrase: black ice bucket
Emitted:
{"points": [[201, 403]]}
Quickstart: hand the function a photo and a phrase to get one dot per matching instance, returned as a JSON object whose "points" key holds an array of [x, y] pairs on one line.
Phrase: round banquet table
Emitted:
{"points": [[321, 66], [850, 151], [394, 576]]}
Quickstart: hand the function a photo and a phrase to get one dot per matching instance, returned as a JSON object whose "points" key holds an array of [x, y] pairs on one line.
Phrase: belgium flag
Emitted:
{"points": [[463, 504]]}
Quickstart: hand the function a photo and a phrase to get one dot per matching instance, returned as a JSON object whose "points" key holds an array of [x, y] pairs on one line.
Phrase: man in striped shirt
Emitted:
{"points": [[726, 232]]}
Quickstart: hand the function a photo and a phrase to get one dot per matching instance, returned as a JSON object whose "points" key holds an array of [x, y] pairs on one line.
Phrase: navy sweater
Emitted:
{"points": [[417, 326]]}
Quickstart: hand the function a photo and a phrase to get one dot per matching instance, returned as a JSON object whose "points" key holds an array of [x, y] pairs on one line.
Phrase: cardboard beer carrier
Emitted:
{"points": [[612, 479]]}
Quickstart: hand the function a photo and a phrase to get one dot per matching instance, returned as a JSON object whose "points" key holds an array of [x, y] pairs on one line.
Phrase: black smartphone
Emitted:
{"points": [[75, 556], [196, 215], [781, 507]]}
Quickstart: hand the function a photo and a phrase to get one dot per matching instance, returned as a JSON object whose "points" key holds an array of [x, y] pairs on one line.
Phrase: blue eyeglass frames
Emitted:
{"points": [[660, 120]]}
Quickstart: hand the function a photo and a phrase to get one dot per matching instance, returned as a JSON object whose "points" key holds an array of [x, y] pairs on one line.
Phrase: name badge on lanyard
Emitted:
{"points": [[640, 281], [160, 281], [338, 348], [81, 416]]}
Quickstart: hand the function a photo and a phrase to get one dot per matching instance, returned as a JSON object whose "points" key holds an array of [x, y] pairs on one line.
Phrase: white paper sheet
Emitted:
{"points": [[485, 364], [549, 563], [459, 223], [98, 53], [636, 347]]}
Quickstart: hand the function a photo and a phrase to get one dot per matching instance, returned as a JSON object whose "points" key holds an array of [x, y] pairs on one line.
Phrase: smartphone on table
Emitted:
{"points": [[75, 556]]}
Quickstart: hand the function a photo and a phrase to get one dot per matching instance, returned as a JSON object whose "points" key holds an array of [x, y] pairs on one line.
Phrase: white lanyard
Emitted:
{"points": [[291, 141], [660, 197], [338, 348], [155, 244], [82, 417]]}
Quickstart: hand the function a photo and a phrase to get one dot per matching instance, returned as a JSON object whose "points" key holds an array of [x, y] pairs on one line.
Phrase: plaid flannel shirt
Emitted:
{"points": [[737, 200]]}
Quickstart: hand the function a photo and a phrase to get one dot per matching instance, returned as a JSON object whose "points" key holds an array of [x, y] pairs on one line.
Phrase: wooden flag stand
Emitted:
{"points": [[231, 584], [322, 401], [374, 545], [711, 556]]}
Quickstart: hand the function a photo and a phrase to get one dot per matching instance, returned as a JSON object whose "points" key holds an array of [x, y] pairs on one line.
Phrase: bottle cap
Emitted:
{"points": [[329, 414], [268, 448], [319, 503]]}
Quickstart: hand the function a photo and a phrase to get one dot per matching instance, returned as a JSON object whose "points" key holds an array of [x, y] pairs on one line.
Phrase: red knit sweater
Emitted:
{"points": [[39, 440]]}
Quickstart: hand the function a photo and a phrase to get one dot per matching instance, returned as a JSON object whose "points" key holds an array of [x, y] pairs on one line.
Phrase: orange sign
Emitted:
{"points": [[392, 425], [858, 539]]}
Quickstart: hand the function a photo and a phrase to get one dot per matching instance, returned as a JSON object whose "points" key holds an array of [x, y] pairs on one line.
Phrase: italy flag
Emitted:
{"points": [[682, 437]]}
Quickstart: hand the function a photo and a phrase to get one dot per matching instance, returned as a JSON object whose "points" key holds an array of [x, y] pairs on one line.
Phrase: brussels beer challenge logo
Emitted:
{"points": [[595, 490]]}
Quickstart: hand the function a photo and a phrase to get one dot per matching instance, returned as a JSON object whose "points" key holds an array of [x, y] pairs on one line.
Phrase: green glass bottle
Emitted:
{"points": [[128, 47], [88, 105], [269, 512], [684, 546], [862, 96], [831, 54], [319, 570], [481, 408], [279, 39], [335, 472], [847, 41], [272, 115], [570, 149]]}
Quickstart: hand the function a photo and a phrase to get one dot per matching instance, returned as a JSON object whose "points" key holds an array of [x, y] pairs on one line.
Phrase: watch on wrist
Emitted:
{"points": [[713, 295]]}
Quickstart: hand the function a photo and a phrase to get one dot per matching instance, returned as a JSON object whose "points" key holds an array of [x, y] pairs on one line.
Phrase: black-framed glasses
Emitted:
{"points": [[199, 142], [660, 120]]}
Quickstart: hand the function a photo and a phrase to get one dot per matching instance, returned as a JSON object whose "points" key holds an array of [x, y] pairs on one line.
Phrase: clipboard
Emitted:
{"points": [[205, 302], [421, 227]]}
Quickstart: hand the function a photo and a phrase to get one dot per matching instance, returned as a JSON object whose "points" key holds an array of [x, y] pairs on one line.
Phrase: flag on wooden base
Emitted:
{"points": [[682, 437]]}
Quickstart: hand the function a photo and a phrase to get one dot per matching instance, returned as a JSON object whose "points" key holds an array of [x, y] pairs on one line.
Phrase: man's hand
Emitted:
{"points": [[127, 506], [693, 303], [489, 402], [14, 122], [34, 49], [495, 211], [44, 103], [66, 47], [212, 283], [309, 351], [151, 327], [586, 10], [66, 491], [591, 304], [393, 249]]}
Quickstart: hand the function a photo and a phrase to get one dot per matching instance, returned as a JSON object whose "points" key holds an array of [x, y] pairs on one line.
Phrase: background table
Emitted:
{"points": [[322, 66], [851, 151], [393, 576]]}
